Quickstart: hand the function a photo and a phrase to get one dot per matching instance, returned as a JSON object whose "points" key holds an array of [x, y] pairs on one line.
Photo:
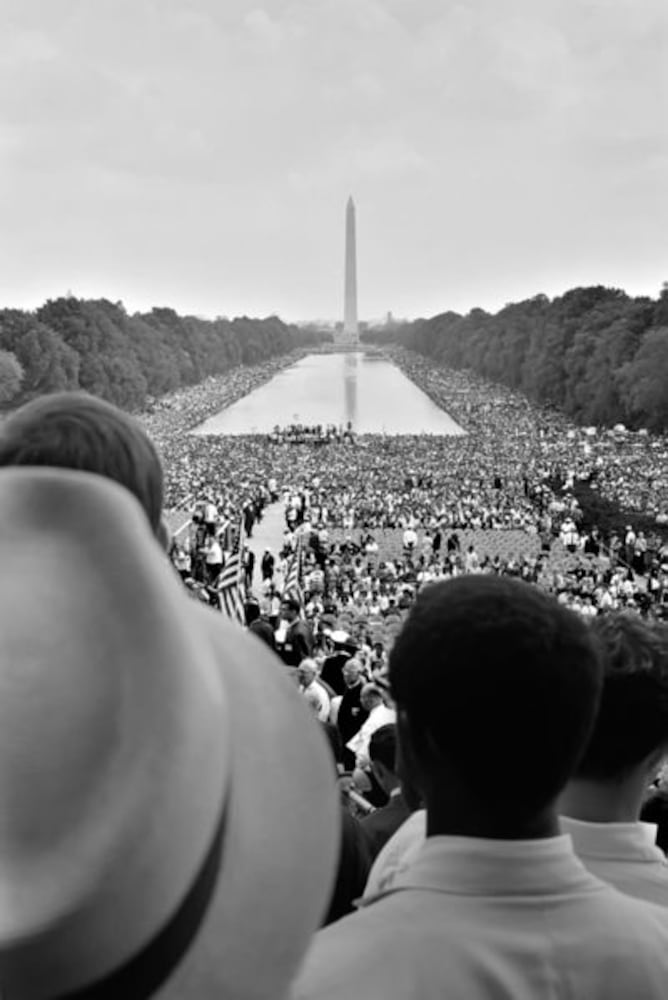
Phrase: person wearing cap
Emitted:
{"points": [[342, 648], [496, 902], [601, 805], [141, 854]]}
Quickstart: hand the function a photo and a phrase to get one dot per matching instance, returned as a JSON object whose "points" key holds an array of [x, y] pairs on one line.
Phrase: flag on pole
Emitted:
{"points": [[229, 580], [293, 575]]}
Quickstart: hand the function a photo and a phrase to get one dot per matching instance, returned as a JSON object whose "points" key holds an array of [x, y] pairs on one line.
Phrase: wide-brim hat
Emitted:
{"points": [[168, 813]]}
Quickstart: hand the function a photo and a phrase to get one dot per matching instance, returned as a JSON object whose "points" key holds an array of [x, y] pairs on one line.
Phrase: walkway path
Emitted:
{"points": [[268, 534]]}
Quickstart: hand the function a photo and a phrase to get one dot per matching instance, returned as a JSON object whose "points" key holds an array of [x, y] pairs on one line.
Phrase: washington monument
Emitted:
{"points": [[350, 329]]}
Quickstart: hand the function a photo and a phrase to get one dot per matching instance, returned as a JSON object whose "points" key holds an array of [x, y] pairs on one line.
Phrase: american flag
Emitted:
{"points": [[229, 584], [293, 575]]}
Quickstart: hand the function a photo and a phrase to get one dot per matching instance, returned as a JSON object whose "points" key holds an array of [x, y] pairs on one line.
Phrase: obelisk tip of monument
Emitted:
{"points": [[350, 201]]}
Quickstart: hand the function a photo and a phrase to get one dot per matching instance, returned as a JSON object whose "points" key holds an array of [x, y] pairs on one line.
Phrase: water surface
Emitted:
{"points": [[366, 390]]}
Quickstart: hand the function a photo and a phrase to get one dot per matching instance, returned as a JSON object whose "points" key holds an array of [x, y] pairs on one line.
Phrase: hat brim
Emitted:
{"points": [[285, 817], [271, 788]]}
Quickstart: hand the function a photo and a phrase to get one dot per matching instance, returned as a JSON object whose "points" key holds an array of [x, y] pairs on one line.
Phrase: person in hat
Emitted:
{"points": [[148, 847], [601, 804], [496, 902], [340, 649]]}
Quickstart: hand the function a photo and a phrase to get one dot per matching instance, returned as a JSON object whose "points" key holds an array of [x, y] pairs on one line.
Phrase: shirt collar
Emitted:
{"points": [[616, 841], [474, 866]]}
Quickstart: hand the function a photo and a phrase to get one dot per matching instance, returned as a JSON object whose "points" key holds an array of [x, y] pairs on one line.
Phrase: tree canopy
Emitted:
{"points": [[71, 343], [11, 376], [596, 353]]}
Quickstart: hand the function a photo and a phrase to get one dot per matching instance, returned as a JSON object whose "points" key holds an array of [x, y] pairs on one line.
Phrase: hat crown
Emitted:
{"points": [[99, 721]]}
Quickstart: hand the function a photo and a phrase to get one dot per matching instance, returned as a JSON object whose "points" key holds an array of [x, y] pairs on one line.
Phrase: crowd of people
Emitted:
{"points": [[499, 499], [314, 434], [471, 803]]}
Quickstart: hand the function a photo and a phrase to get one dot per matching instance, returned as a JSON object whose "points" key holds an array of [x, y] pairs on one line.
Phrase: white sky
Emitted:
{"points": [[199, 153]]}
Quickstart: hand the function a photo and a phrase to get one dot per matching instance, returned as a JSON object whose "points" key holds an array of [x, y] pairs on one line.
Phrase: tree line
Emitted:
{"points": [[95, 345], [596, 353]]}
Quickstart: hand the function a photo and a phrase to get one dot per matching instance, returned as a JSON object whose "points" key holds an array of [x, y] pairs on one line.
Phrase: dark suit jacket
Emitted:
{"points": [[332, 671], [352, 871], [351, 714], [298, 643]]}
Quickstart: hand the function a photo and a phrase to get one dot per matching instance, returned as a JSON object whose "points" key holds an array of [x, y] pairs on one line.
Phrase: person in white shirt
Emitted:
{"points": [[410, 539], [496, 904], [210, 517], [371, 700], [314, 693], [213, 555], [601, 804]]}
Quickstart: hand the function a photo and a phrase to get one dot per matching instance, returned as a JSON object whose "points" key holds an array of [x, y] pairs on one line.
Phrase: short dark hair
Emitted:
{"points": [[74, 430], [493, 670], [383, 746], [291, 602], [632, 719]]}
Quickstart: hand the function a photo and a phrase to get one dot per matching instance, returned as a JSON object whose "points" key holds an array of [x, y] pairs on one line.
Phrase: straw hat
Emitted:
{"points": [[168, 815]]}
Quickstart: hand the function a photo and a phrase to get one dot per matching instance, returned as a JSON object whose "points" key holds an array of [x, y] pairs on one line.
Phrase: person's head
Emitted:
{"points": [[383, 757], [488, 670], [290, 609], [252, 610], [370, 697], [631, 728], [73, 430], [307, 671], [351, 672]]}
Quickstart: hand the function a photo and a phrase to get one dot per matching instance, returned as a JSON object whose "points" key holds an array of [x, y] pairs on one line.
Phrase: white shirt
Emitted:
{"points": [[214, 553], [623, 854], [210, 513], [379, 716], [475, 919], [318, 699], [397, 854]]}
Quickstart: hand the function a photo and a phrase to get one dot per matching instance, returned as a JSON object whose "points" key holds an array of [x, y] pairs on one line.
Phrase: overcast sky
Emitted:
{"points": [[199, 153]]}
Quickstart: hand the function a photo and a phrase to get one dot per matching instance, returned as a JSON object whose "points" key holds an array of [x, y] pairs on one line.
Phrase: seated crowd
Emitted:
{"points": [[424, 787], [315, 434]]}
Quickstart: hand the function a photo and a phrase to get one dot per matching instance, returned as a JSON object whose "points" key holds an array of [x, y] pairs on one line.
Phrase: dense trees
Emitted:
{"points": [[95, 345], [11, 376], [596, 353]]}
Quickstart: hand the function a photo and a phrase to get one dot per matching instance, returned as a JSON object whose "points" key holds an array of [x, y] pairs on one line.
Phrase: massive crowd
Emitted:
{"points": [[385, 515], [172, 825]]}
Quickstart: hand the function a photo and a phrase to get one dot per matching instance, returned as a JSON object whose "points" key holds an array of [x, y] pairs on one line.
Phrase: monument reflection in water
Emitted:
{"points": [[368, 391], [350, 388]]}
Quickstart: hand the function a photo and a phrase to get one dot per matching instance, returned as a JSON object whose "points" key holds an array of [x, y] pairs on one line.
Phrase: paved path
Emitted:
{"points": [[268, 533]]}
